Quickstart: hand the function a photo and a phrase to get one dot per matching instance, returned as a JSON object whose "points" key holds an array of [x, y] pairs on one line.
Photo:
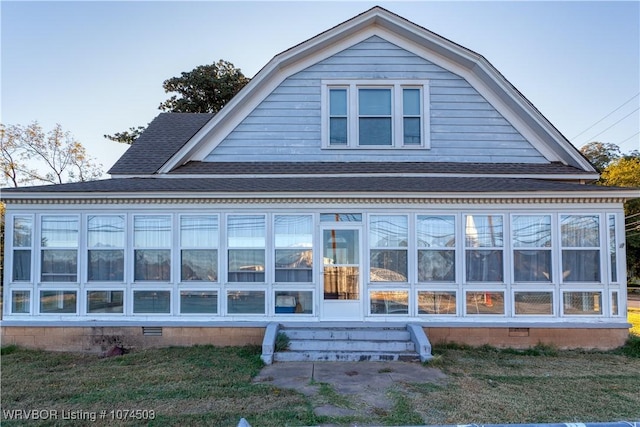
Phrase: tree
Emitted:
{"points": [[601, 154], [205, 89], [30, 156]]}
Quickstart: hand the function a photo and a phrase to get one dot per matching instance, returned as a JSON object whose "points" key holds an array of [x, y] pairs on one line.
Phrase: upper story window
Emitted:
{"points": [[375, 114]]}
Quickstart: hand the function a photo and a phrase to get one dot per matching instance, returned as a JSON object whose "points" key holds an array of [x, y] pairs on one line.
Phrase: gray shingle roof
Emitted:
{"points": [[330, 185], [164, 136]]}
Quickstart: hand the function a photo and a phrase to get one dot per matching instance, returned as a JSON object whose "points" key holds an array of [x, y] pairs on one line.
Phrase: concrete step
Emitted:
{"points": [[347, 334], [346, 345], [338, 356]]}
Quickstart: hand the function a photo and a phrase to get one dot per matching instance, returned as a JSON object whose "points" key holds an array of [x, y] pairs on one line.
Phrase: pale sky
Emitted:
{"points": [[97, 67]]}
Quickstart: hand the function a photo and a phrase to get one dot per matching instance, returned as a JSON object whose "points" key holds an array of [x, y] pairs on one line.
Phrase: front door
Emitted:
{"points": [[341, 276]]}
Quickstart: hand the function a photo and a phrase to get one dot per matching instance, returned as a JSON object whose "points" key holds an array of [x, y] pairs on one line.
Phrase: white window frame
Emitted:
{"points": [[397, 114], [194, 289]]}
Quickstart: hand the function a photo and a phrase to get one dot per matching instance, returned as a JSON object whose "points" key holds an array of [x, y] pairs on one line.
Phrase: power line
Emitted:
{"points": [[600, 133], [619, 107], [622, 142]]}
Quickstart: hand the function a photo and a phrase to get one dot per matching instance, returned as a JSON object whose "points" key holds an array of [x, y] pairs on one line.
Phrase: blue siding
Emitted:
{"points": [[464, 126]]}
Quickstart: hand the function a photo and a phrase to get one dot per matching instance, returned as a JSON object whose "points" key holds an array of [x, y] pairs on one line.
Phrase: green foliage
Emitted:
{"points": [[8, 349], [127, 136], [600, 154], [282, 341], [632, 347]]}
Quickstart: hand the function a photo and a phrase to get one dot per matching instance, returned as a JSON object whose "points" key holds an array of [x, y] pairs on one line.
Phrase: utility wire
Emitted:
{"points": [[600, 133], [622, 105], [622, 142]]}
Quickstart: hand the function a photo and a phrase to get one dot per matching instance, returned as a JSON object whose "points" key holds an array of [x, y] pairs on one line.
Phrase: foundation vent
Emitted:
{"points": [[152, 331]]}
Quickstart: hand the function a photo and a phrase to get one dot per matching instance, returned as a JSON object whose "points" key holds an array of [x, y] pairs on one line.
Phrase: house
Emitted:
{"points": [[377, 172]]}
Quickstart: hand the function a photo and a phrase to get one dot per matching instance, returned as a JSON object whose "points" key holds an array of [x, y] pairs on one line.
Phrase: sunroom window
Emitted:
{"points": [[388, 239], [436, 248], [484, 243], [293, 248], [22, 232], [59, 241], [580, 248], [246, 243], [199, 253], [105, 242], [531, 248], [152, 243]]}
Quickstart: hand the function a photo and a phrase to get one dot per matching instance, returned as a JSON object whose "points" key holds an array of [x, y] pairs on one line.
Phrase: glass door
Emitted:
{"points": [[341, 278]]}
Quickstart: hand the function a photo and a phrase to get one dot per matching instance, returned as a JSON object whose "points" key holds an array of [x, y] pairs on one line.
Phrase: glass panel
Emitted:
{"points": [[22, 228], [374, 131], [388, 231], [436, 231], [106, 265], [531, 231], [613, 249], [340, 217], [411, 102], [246, 265], [245, 302], [411, 130], [582, 303], [20, 302], [437, 302], [338, 131], [199, 264], [374, 102], [57, 302], [341, 283], [487, 302], [59, 232], [484, 266], [389, 302], [199, 231], [436, 266], [341, 247], [105, 231], [483, 231], [105, 302], [21, 265], [246, 231], [205, 302], [533, 302], [152, 232], [294, 265], [581, 265], [152, 264], [614, 303], [388, 266], [59, 265], [580, 231], [532, 266], [294, 302], [293, 231], [152, 302], [338, 102]]}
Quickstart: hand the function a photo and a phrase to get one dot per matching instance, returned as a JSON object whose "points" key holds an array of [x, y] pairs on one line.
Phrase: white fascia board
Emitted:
{"points": [[447, 54], [554, 177]]}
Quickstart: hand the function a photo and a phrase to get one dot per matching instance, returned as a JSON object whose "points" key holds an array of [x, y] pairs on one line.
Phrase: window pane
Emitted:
{"points": [[389, 302], [294, 265], [341, 283], [105, 302], [20, 302], [614, 303], [533, 302], [341, 246], [338, 102], [59, 265], [246, 265], [105, 231], [580, 231], [374, 102], [246, 231], [59, 231], [388, 231], [192, 302], [388, 266], [437, 302], [199, 264], [293, 231], [57, 302], [374, 131], [532, 266], [581, 265], [484, 266], [152, 231], [531, 231], [613, 249], [582, 303], [21, 265], [411, 102], [152, 264], [106, 265], [436, 231], [294, 302], [483, 231], [22, 227], [411, 130], [337, 131], [199, 231], [245, 302], [152, 302], [340, 217], [436, 266], [487, 302]]}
